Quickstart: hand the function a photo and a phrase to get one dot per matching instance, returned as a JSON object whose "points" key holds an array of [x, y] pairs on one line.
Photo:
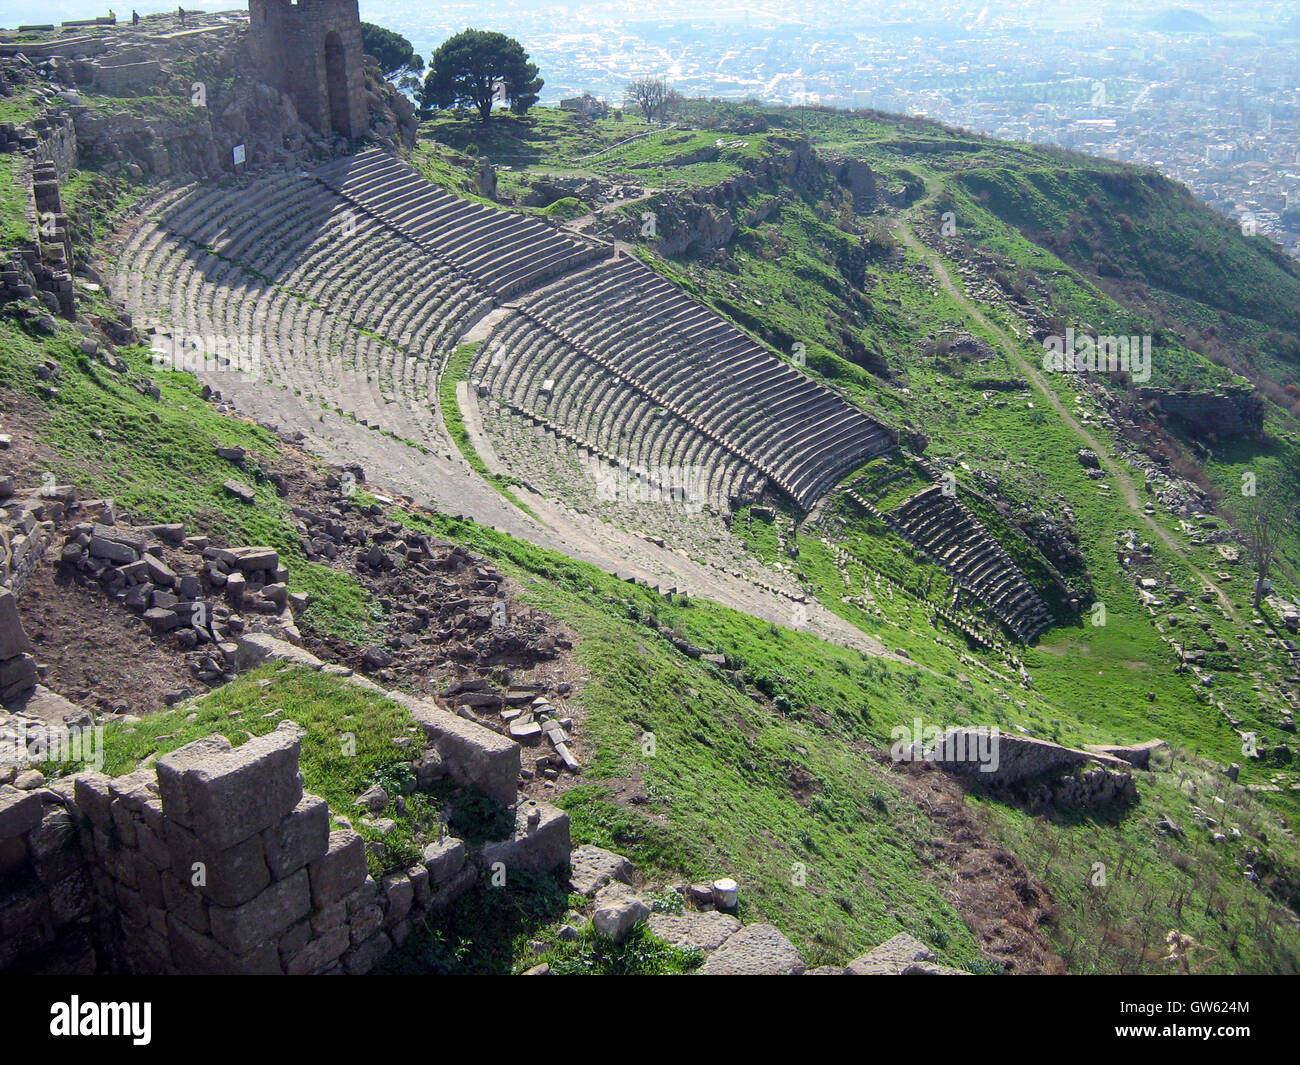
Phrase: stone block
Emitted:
{"points": [[448, 893], [229, 796], [71, 898], [55, 847], [320, 953], [363, 957], [229, 877], [93, 798], [257, 647], [111, 550], [543, 846], [171, 768], [300, 838], [194, 953], [298, 936], [17, 674], [13, 640], [755, 950], [329, 917], [617, 912], [420, 884], [903, 955], [474, 756], [261, 919], [20, 811], [591, 868], [399, 894], [185, 903], [694, 930], [341, 871], [444, 859]]}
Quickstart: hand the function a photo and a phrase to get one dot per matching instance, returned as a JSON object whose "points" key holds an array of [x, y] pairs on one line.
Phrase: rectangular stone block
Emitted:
{"points": [[110, 550], [71, 898], [419, 877], [171, 769], [320, 953], [341, 871], [152, 849], [55, 847], [297, 937], [149, 884], [228, 877], [20, 811], [131, 905], [229, 796], [194, 953], [474, 756], [93, 798], [17, 674], [261, 919], [299, 839], [185, 903], [399, 894], [542, 847], [363, 957], [328, 917], [444, 858], [123, 824]]}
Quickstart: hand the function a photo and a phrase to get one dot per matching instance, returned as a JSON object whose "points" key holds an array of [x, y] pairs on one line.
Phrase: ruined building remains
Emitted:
{"points": [[311, 49]]}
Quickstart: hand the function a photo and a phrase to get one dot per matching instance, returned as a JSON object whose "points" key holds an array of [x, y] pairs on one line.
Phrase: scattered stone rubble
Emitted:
{"points": [[704, 924], [27, 707], [201, 596]]}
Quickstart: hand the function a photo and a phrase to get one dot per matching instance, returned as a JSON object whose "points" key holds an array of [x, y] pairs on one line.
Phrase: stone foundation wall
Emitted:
{"points": [[214, 860], [1232, 412]]}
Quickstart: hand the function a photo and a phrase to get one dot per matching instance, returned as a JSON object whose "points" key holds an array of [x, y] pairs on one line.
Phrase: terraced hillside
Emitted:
{"points": [[639, 370], [353, 284], [948, 533], [387, 328], [347, 288]]}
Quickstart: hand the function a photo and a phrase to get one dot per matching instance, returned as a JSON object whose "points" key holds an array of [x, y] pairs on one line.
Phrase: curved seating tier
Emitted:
{"points": [[504, 251], [337, 307], [956, 540], [616, 330]]}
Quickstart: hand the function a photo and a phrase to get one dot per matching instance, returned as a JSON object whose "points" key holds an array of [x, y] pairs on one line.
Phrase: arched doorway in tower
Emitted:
{"points": [[336, 81]]}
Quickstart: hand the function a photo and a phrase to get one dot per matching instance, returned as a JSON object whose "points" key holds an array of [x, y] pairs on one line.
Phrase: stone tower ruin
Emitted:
{"points": [[311, 49]]}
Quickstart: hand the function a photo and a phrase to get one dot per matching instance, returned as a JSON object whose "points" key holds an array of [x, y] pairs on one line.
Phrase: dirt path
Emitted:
{"points": [[583, 221], [1012, 351]]}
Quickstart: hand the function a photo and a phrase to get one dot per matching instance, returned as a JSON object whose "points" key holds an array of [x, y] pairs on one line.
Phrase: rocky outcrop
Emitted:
{"points": [[703, 220], [215, 105], [1210, 414]]}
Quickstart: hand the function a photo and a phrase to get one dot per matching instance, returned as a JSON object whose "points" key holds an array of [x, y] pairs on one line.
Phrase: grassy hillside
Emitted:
{"points": [[772, 768]]}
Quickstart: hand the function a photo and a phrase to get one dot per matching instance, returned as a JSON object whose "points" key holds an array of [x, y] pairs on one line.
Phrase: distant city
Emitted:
{"points": [[1208, 95]]}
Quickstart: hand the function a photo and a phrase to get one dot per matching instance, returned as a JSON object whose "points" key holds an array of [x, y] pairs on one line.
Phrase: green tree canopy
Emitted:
{"points": [[477, 68], [394, 53]]}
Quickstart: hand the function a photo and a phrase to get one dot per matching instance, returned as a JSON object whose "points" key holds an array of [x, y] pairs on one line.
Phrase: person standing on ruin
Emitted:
{"points": [[181, 11], [135, 17]]}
